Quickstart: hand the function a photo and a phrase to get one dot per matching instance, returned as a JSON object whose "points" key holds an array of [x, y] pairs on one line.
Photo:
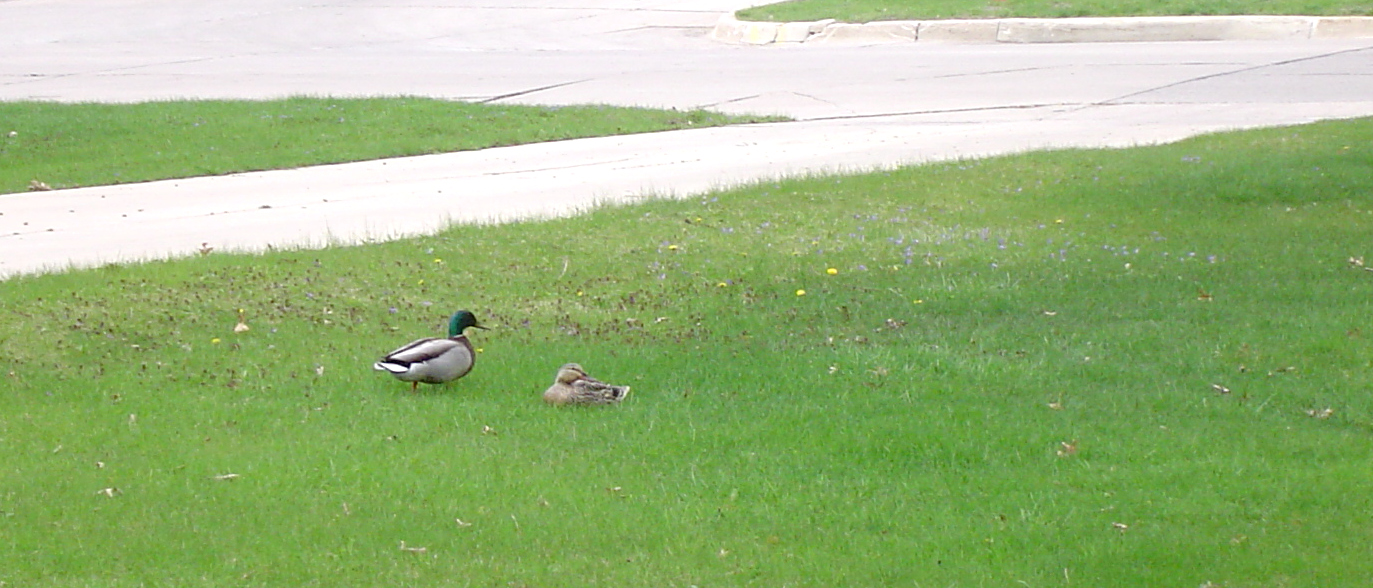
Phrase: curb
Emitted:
{"points": [[1045, 30]]}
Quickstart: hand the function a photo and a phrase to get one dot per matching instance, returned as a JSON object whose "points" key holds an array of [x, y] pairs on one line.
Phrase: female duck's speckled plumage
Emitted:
{"points": [[434, 360], [573, 386]]}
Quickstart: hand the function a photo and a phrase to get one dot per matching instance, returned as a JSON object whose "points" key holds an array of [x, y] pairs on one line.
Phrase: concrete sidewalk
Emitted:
{"points": [[856, 107], [1046, 30]]}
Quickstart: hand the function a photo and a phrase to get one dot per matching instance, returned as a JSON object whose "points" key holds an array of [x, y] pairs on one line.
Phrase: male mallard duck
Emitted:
{"points": [[573, 386], [432, 360]]}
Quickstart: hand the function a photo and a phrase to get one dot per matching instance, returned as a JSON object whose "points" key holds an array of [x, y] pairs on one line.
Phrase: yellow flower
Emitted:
{"points": [[671, 247], [215, 340], [800, 292], [919, 301], [831, 271], [721, 285], [437, 260]]}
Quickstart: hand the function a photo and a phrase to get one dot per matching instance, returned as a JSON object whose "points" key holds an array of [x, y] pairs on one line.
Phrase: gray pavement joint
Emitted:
{"points": [[531, 91], [1237, 71]]}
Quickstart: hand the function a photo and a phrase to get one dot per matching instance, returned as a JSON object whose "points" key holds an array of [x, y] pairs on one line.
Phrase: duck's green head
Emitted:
{"points": [[461, 320]]}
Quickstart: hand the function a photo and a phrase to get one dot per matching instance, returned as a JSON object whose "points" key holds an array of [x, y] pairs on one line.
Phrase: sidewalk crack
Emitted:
{"points": [[531, 91]]}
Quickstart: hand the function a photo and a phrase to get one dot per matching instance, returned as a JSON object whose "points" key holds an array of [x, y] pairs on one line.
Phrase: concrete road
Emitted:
{"points": [[858, 106]]}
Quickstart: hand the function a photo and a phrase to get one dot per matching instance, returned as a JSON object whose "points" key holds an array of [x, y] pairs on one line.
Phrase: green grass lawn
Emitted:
{"points": [[871, 10], [1145, 367], [70, 145]]}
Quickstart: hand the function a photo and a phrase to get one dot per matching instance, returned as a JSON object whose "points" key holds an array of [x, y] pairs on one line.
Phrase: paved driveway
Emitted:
{"points": [[857, 107]]}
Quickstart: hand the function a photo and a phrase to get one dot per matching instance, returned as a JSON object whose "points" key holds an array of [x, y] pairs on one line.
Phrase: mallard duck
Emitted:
{"points": [[433, 360], [573, 386]]}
